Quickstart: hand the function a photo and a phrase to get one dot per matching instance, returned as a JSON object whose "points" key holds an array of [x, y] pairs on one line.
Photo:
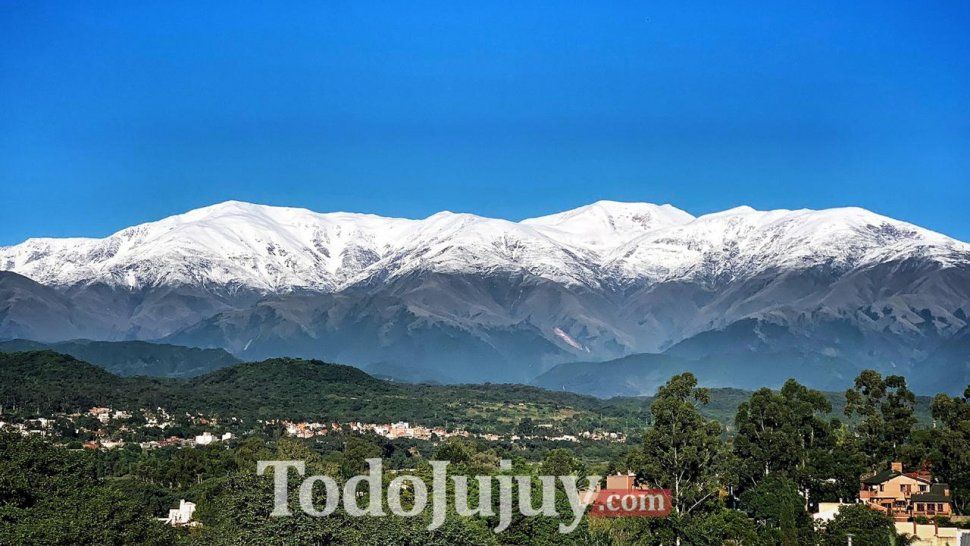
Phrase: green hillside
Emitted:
{"points": [[284, 388], [298, 389], [133, 357]]}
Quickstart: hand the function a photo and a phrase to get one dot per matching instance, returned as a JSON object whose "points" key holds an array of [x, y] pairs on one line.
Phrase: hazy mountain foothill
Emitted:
{"points": [[133, 357]]}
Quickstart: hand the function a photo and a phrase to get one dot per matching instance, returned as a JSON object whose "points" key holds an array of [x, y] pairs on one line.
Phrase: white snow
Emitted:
{"points": [[276, 249], [606, 224], [569, 340], [743, 241]]}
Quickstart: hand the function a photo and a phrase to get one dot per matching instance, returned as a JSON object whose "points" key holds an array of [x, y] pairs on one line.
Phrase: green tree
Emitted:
{"points": [[356, 452], [835, 470], [778, 433], [455, 450], [886, 408], [681, 451], [867, 527], [525, 426], [49, 495], [722, 527], [777, 508], [560, 462], [946, 447]]}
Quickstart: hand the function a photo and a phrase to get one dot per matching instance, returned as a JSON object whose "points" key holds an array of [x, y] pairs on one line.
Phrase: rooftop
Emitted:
{"points": [[937, 493]]}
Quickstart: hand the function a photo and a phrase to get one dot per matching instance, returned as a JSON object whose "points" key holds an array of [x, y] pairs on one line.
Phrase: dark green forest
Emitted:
{"points": [[746, 467]]}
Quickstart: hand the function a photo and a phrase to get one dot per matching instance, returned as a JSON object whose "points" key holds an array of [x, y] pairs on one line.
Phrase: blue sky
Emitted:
{"points": [[111, 115]]}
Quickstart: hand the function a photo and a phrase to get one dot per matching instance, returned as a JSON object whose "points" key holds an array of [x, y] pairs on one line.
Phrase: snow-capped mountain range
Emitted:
{"points": [[464, 297], [276, 249]]}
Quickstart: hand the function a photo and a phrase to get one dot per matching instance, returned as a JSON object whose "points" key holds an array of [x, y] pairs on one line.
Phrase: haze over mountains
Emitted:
{"points": [[127, 358], [741, 295]]}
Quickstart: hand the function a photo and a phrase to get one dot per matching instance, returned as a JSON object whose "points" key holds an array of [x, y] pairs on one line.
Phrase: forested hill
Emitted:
{"points": [[134, 357], [282, 388]]}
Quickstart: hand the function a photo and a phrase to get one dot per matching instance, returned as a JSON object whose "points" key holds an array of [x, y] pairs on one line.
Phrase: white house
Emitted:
{"points": [[827, 511], [181, 516]]}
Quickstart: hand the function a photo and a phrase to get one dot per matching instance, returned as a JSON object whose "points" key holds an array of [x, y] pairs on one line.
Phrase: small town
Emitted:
{"points": [[107, 428]]}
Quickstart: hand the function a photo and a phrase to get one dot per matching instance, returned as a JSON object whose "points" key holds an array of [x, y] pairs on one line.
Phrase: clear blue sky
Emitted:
{"points": [[112, 115]]}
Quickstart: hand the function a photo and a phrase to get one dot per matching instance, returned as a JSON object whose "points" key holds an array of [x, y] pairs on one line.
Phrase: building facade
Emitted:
{"points": [[906, 495]]}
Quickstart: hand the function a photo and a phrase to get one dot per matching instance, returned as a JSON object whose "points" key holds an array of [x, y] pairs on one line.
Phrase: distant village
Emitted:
{"points": [[403, 429], [107, 428]]}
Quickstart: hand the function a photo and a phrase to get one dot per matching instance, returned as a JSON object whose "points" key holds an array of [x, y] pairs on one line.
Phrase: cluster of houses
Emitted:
{"points": [[30, 427], [203, 439], [403, 429], [106, 415], [599, 436], [118, 422], [43, 426]]}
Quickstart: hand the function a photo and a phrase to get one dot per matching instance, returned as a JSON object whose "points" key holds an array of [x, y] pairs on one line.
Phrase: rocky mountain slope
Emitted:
{"points": [[483, 299]]}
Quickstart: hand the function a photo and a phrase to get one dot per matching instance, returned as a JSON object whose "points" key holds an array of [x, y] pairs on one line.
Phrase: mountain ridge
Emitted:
{"points": [[127, 358], [481, 299], [233, 226]]}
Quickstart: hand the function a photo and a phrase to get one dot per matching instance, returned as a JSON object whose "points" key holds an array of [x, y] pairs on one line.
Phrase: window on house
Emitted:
{"points": [[939, 507]]}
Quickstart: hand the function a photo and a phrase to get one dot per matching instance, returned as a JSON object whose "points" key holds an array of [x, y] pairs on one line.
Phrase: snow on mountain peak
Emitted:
{"points": [[734, 211], [268, 248], [743, 241], [605, 224]]}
